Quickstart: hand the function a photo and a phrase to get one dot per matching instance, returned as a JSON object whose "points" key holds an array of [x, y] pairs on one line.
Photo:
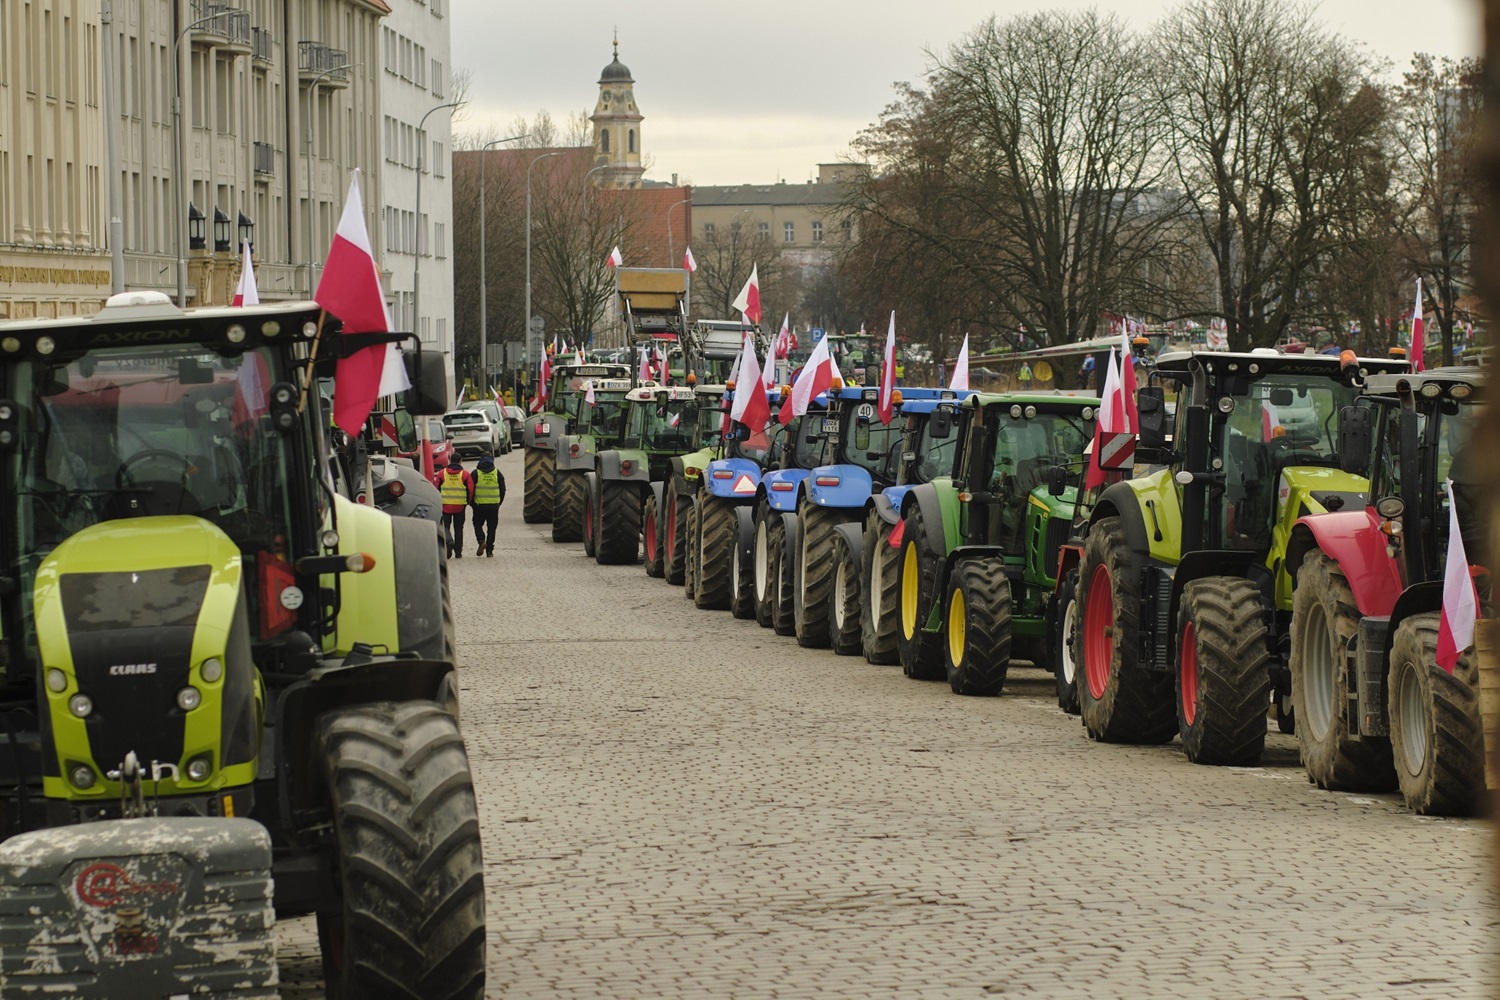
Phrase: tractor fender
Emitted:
{"points": [[846, 486], [926, 497], [781, 488], [732, 487], [888, 502], [659, 490], [417, 571], [1120, 500], [609, 463], [995, 552], [544, 431], [566, 460], [853, 533], [1417, 599], [1353, 540], [367, 602], [744, 533], [1197, 566]]}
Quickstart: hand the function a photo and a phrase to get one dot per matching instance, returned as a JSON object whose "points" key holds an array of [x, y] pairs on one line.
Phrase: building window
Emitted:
{"points": [[763, 229], [632, 140], [789, 232], [817, 232], [437, 79], [708, 230], [846, 228], [604, 141], [440, 240], [438, 160]]}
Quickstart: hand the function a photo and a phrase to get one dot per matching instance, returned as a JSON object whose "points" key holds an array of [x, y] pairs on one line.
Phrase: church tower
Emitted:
{"points": [[617, 127]]}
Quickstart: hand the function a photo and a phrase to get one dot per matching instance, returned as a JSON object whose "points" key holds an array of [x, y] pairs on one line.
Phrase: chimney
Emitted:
{"points": [[674, 180]]}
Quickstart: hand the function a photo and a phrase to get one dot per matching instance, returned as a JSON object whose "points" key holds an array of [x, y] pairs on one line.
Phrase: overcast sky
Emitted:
{"points": [[759, 92]]}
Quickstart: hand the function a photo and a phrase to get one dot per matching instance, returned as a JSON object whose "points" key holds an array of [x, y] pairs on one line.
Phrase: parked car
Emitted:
{"points": [[517, 424], [495, 414], [472, 433], [442, 448]]}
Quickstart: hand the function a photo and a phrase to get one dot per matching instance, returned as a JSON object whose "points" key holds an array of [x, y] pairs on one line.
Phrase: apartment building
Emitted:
{"points": [[799, 220]]}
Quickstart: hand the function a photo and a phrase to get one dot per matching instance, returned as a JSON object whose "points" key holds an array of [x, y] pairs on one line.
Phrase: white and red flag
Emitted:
{"points": [[350, 289], [961, 367], [748, 302], [768, 370], [816, 379], [1460, 602], [1418, 341], [661, 366], [246, 294], [688, 263], [588, 394], [1130, 420], [886, 405], [751, 406], [543, 381], [614, 259], [643, 370], [461, 390], [498, 398], [1107, 422]]}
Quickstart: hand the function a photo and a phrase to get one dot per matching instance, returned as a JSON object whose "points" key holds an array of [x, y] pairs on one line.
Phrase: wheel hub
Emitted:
{"points": [[958, 621], [1411, 705], [909, 592], [761, 559], [1065, 653], [1319, 678]]}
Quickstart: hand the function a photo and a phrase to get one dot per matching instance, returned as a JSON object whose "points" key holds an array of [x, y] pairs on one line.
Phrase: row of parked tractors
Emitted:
{"points": [[1275, 549]]}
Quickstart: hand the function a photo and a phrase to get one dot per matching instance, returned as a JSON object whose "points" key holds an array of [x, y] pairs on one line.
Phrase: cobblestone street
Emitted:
{"points": [[676, 803]]}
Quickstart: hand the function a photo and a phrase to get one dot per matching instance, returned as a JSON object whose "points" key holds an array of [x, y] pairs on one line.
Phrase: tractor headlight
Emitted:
{"points": [[198, 769], [57, 681], [1432, 390], [330, 539], [82, 776], [1226, 404], [1460, 391], [309, 329], [45, 345], [1030, 412], [1015, 411], [1088, 413], [11, 344], [81, 705], [212, 669], [189, 698], [235, 333]]}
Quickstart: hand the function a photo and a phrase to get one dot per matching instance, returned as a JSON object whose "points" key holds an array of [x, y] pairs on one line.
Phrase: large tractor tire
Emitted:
{"points": [[540, 468], [674, 542], [814, 576], [921, 652], [591, 517], [1223, 673], [1063, 619], [767, 556], [976, 624], [783, 612], [570, 494], [1324, 619], [411, 923], [1120, 700], [845, 601], [879, 610], [716, 554], [1435, 727], [690, 550], [651, 536], [742, 579], [619, 525]]}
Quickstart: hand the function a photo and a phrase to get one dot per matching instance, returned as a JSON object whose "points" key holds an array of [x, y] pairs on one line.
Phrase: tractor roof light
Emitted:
{"points": [[896, 397], [1431, 390], [1226, 404], [1087, 413], [235, 334], [1015, 411], [309, 329], [330, 539], [45, 345], [838, 382], [692, 379], [1030, 412], [1460, 391]]}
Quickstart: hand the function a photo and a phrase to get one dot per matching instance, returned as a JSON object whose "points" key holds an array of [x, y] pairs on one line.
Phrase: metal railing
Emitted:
{"points": [[225, 20], [265, 158], [261, 44], [315, 57]]}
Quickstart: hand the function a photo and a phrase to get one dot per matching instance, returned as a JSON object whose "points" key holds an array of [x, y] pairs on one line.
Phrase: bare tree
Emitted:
{"points": [[725, 258]]}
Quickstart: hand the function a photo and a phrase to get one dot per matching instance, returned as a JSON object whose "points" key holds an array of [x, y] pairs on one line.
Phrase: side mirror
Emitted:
{"points": [[428, 373], [1151, 405], [1354, 440], [940, 424], [1057, 480]]}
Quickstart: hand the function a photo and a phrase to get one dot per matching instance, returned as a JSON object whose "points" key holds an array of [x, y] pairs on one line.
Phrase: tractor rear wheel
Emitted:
{"points": [[845, 601], [814, 577], [651, 535], [1120, 700], [1223, 675], [783, 618], [879, 615], [1435, 728], [1324, 619], [591, 516], [766, 554], [1064, 616], [673, 542], [715, 554], [570, 493], [540, 467], [921, 651], [619, 524], [409, 858], [690, 551], [741, 573], [977, 627]]}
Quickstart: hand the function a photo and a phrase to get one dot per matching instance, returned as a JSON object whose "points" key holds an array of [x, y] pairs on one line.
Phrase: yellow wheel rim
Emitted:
{"points": [[909, 592], [958, 621]]}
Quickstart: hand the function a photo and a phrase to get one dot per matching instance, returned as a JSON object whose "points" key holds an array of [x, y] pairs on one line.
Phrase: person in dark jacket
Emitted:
{"points": [[457, 488], [489, 494]]}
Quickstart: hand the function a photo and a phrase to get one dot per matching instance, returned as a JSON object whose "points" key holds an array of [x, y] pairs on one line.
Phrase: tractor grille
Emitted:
{"points": [[1058, 530]]}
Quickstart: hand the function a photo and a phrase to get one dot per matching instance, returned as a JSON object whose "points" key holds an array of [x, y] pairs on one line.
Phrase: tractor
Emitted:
{"points": [[544, 430], [200, 624], [1373, 708], [667, 510], [793, 454], [598, 425], [979, 551], [1184, 598]]}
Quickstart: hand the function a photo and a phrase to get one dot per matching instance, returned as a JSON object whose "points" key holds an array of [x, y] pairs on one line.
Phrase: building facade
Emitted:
{"points": [[280, 99], [799, 220], [617, 128]]}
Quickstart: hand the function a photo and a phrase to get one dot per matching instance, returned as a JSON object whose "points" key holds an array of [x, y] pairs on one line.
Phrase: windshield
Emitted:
{"points": [[710, 421], [757, 446], [661, 425], [811, 430], [606, 418], [934, 455], [1026, 449], [870, 444]]}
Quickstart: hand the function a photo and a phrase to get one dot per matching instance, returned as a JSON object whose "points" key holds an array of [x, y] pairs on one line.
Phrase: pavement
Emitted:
{"points": [[679, 804]]}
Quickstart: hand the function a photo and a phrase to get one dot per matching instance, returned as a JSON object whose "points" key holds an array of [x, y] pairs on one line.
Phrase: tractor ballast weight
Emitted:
{"points": [[543, 431]]}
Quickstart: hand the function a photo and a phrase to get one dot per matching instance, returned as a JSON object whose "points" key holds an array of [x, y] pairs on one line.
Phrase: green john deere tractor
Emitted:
{"points": [[1183, 622], [544, 430], [664, 520], [198, 622], [979, 552], [597, 427]]}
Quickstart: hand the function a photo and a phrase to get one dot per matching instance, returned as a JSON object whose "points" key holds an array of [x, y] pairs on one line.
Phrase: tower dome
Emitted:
{"points": [[616, 71]]}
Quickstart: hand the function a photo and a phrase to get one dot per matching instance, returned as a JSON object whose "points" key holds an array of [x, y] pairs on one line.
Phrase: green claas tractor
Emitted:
{"points": [[198, 621], [597, 426], [1184, 596], [979, 552], [1373, 707], [542, 431]]}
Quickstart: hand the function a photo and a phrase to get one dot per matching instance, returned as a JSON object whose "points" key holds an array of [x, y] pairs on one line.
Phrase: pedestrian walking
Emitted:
{"points": [[489, 494], [1025, 376], [457, 489]]}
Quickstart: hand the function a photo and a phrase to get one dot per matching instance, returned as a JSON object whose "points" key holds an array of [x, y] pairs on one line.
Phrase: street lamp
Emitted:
{"points": [[484, 330], [312, 99], [671, 250], [534, 161], [416, 271], [179, 198]]}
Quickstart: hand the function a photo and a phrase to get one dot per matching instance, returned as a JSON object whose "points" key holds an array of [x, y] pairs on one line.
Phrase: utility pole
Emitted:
{"points": [[112, 155]]}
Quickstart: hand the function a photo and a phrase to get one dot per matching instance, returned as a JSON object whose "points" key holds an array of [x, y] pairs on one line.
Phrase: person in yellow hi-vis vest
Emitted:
{"points": [[489, 494], [457, 489]]}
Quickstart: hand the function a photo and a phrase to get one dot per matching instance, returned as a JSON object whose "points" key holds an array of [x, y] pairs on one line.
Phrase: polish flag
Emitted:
{"points": [[543, 380], [1130, 419], [886, 407], [498, 398], [643, 370], [661, 366], [1108, 420], [688, 263], [350, 289], [614, 260], [961, 367], [816, 379], [748, 301], [461, 390], [1460, 602], [247, 294], [734, 377], [1418, 342], [768, 370], [578, 357], [751, 407], [588, 394]]}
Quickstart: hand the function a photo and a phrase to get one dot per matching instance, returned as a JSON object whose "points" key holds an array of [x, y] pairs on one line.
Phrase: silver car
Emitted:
{"points": [[472, 433]]}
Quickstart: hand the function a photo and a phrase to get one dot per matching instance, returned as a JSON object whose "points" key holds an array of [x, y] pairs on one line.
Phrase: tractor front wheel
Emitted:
{"points": [[1064, 621], [921, 651], [742, 602], [879, 616], [541, 465], [619, 524], [570, 493], [977, 627], [651, 535], [411, 874], [674, 544], [845, 601], [716, 529], [1324, 620], [591, 516], [1435, 727], [767, 557], [814, 577], [691, 550], [1222, 671]]}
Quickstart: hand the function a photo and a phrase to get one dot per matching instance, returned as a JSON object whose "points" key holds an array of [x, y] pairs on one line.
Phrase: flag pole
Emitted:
{"points": [[312, 356]]}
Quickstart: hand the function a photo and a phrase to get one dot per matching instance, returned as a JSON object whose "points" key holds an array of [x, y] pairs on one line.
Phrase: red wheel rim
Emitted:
{"points": [[651, 539], [1098, 632], [1189, 668]]}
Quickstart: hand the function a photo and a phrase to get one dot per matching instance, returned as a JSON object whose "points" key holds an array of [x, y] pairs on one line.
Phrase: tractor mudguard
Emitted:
{"points": [[659, 490], [1417, 599], [853, 533], [942, 531], [741, 483], [1353, 540], [1122, 500], [781, 488], [744, 533], [995, 552], [1196, 566], [887, 503], [419, 589], [544, 430], [840, 486], [567, 461], [367, 609], [609, 464]]}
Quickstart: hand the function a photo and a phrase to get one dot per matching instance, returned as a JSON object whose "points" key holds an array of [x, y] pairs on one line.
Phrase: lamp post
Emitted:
{"points": [[671, 249], [312, 99], [534, 161], [484, 329], [181, 178], [416, 270]]}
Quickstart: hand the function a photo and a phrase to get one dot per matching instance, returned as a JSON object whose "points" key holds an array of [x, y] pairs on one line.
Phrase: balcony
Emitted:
{"points": [[261, 44], [314, 59], [265, 161], [226, 26]]}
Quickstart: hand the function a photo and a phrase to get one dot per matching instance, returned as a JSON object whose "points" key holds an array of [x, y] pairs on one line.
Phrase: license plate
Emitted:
{"points": [[830, 425]]}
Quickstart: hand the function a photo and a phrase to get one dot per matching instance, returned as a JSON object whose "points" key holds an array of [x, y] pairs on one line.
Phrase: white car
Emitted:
{"points": [[472, 433]]}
